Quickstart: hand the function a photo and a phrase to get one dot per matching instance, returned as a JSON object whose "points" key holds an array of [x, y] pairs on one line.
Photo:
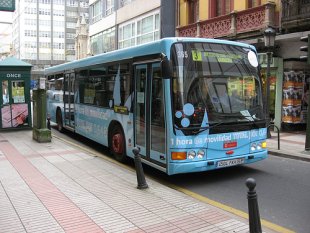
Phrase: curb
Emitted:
{"points": [[290, 156]]}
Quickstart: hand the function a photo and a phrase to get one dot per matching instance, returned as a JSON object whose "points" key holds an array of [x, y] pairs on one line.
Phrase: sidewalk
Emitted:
{"points": [[292, 145], [55, 187]]}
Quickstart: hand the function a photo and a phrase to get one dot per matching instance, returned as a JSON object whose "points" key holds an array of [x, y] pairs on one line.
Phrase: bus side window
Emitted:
{"points": [[157, 100], [125, 82]]}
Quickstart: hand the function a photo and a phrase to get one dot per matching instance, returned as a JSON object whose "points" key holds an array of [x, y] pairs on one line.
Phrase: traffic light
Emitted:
{"points": [[305, 49]]}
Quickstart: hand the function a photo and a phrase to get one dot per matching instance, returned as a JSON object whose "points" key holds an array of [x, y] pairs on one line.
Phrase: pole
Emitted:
{"points": [[139, 170], [268, 93], [307, 143], [254, 218]]}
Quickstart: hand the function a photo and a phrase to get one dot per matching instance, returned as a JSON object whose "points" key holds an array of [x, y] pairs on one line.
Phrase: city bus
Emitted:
{"points": [[188, 104]]}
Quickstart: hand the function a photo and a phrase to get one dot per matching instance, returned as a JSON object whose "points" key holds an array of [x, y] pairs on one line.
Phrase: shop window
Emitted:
{"points": [[18, 91]]}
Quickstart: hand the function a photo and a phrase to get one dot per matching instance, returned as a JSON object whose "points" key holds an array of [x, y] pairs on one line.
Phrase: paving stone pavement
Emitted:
{"points": [[55, 187], [289, 145]]}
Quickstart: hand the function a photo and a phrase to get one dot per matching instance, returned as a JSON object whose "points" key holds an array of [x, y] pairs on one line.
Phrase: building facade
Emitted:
{"points": [[44, 31], [116, 24], [246, 21]]}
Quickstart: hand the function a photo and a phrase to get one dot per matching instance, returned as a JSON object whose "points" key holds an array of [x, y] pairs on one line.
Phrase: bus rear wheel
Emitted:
{"points": [[59, 121], [117, 145]]}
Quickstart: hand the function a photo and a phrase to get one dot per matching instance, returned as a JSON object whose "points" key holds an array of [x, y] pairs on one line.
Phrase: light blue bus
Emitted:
{"points": [[188, 104]]}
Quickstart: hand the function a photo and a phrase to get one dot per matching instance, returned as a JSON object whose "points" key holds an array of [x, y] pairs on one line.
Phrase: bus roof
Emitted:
{"points": [[155, 47]]}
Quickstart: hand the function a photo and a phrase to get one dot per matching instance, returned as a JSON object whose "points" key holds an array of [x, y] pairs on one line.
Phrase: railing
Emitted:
{"points": [[292, 10], [254, 19], [216, 27], [251, 19], [278, 132]]}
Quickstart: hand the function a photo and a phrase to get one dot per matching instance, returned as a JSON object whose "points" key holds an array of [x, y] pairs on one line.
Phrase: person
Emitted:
{"points": [[237, 103]]}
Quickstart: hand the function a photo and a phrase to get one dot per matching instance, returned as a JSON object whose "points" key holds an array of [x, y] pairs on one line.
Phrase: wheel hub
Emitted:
{"points": [[117, 143]]}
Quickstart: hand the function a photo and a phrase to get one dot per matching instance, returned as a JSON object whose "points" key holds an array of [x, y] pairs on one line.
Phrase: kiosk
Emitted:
{"points": [[15, 103]]}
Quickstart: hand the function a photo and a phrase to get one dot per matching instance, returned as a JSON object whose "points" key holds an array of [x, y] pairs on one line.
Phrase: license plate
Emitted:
{"points": [[231, 162]]}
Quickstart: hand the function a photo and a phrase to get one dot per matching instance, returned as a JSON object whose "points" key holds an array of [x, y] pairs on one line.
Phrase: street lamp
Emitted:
{"points": [[269, 37]]}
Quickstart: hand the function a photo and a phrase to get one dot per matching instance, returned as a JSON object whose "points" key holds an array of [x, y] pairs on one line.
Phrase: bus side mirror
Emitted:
{"points": [[166, 68]]}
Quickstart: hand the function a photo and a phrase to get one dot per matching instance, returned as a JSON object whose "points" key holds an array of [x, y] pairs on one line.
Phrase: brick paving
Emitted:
{"points": [[53, 187]]}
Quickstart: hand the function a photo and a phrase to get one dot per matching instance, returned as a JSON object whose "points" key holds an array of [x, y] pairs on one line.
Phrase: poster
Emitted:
{"points": [[293, 101], [14, 115]]}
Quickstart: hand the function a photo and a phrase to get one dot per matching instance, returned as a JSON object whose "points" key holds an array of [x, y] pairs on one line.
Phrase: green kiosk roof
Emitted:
{"points": [[12, 61]]}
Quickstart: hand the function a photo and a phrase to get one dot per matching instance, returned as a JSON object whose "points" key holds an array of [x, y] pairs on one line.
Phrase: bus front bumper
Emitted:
{"points": [[200, 166]]}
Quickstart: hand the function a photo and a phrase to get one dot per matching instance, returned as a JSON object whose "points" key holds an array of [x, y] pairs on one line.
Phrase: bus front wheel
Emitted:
{"points": [[117, 145], [59, 121]]}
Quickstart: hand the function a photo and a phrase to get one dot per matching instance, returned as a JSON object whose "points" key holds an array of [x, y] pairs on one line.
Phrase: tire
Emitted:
{"points": [[117, 145], [59, 121]]}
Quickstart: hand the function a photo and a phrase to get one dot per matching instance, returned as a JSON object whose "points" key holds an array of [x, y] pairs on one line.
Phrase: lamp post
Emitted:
{"points": [[269, 37]]}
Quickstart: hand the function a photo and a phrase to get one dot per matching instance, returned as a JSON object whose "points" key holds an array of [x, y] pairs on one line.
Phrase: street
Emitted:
{"points": [[282, 186]]}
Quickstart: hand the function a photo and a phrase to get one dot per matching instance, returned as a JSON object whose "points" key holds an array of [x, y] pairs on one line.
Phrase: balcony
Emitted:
{"points": [[236, 25], [295, 15]]}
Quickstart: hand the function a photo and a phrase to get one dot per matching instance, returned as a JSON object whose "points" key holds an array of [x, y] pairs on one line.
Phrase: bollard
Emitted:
{"points": [[254, 219], [139, 170]]}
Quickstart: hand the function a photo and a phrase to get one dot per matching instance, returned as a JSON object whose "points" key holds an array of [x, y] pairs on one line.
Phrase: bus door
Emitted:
{"points": [[149, 114], [69, 100]]}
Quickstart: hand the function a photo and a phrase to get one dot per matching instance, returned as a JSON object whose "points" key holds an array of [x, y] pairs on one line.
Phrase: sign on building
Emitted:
{"points": [[7, 5]]}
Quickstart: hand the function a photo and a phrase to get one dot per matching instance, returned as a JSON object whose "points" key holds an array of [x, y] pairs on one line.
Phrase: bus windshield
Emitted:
{"points": [[215, 84]]}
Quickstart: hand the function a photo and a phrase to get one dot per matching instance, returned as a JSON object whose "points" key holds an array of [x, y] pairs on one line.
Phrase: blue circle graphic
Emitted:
{"points": [[188, 109], [185, 122], [178, 114]]}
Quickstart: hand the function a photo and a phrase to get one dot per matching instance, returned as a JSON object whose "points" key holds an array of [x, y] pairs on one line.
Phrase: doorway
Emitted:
{"points": [[150, 130]]}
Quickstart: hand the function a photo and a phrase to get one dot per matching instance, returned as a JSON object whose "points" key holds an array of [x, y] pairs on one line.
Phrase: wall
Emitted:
{"points": [[168, 20], [134, 9], [183, 13], [240, 5], [103, 24], [204, 10]]}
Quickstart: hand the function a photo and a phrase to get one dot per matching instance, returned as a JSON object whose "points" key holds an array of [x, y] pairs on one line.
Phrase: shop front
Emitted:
{"points": [[289, 89], [275, 86], [15, 103]]}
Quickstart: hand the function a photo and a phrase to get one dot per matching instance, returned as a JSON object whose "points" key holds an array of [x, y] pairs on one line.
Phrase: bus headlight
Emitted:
{"points": [[200, 154], [259, 146], [191, 154], [253, 146]]}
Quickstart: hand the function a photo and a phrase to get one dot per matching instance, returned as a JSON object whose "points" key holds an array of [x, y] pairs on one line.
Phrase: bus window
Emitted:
{"points": [[141, 73], [97, 76], [121, 74], [157, 116]]}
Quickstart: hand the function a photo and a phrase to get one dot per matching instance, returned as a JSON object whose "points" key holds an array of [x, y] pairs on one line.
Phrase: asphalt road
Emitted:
{"points": [[283, 189], [283, 186]]}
